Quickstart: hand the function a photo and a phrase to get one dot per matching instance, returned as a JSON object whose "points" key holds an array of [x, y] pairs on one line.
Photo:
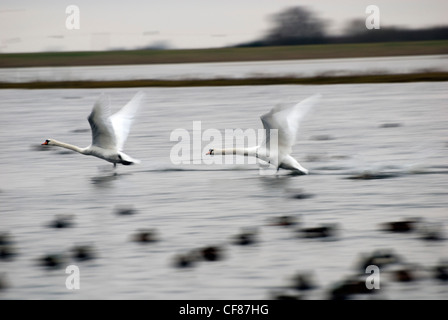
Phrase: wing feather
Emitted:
{"points": [[286, 121], [102, 132], [122, 120]]}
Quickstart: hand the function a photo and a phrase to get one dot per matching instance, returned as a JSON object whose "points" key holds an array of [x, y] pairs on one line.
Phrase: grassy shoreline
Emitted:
{"points": [[325, 51], [318, 80]]}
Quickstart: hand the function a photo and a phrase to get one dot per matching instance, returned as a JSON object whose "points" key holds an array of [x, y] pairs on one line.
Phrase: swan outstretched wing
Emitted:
{"points": [[286, 121], [122, 120], [103, 135]]}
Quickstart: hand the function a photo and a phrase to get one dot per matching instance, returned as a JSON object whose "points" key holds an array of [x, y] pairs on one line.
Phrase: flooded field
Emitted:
{"points": [[376, 154]]}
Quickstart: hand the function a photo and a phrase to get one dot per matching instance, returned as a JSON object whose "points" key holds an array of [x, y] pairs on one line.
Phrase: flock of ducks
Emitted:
{"points": [[394, 268], [301, 284]]}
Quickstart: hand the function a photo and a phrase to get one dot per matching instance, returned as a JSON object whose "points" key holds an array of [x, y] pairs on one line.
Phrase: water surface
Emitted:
{"points": [[395, 131], [283, 68]]}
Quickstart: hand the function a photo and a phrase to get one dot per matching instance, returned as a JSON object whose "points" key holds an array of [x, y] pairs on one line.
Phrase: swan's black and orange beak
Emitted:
{"points": [[45, 143], [210, 152]]}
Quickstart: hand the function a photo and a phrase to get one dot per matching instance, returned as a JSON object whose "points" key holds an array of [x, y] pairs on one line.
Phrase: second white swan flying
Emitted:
{"points": [[109, 132], [281, 125]]}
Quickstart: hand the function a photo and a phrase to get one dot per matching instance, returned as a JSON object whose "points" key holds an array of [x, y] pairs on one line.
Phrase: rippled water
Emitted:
{"points": [[396, 132]]}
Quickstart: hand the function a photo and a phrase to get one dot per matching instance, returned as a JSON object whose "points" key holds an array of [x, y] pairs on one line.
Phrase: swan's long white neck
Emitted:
{"points": [[239, 151], [68, 146]]}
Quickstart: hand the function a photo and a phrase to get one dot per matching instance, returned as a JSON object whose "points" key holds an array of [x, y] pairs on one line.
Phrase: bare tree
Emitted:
{"points": [[296, 25]]}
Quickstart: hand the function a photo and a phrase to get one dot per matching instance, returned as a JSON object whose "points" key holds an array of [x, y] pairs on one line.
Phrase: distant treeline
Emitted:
{"points": [[374, 35], [299, 26]]}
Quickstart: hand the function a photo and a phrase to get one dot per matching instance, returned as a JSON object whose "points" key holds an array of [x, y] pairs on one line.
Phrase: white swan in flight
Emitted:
{"points": [[109, 132], [281, 125]]}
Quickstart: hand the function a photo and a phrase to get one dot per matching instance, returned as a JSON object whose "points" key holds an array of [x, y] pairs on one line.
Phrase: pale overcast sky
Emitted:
{"points": [[30, 26]]}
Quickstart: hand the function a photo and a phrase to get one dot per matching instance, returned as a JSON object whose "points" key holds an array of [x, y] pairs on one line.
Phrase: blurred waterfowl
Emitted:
{"points": [[404, 275], [145, 236], [184, 261], [299, 194], [5, 238], [211, 253], [51, 261], [302, 196], [431, 232], [345, 289], [379, 258], [303, 281], [281, 125], [83, 252], [125, 210], [109, 132], [322, 231], [246, 237], [284, 221], [400, 226], [441, 271], [62, 221], [7, 252], [432, 235]]}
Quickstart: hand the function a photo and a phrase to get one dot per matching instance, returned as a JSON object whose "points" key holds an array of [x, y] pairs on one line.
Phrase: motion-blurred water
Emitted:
{"points": [[174, 71], [397, 132]]}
